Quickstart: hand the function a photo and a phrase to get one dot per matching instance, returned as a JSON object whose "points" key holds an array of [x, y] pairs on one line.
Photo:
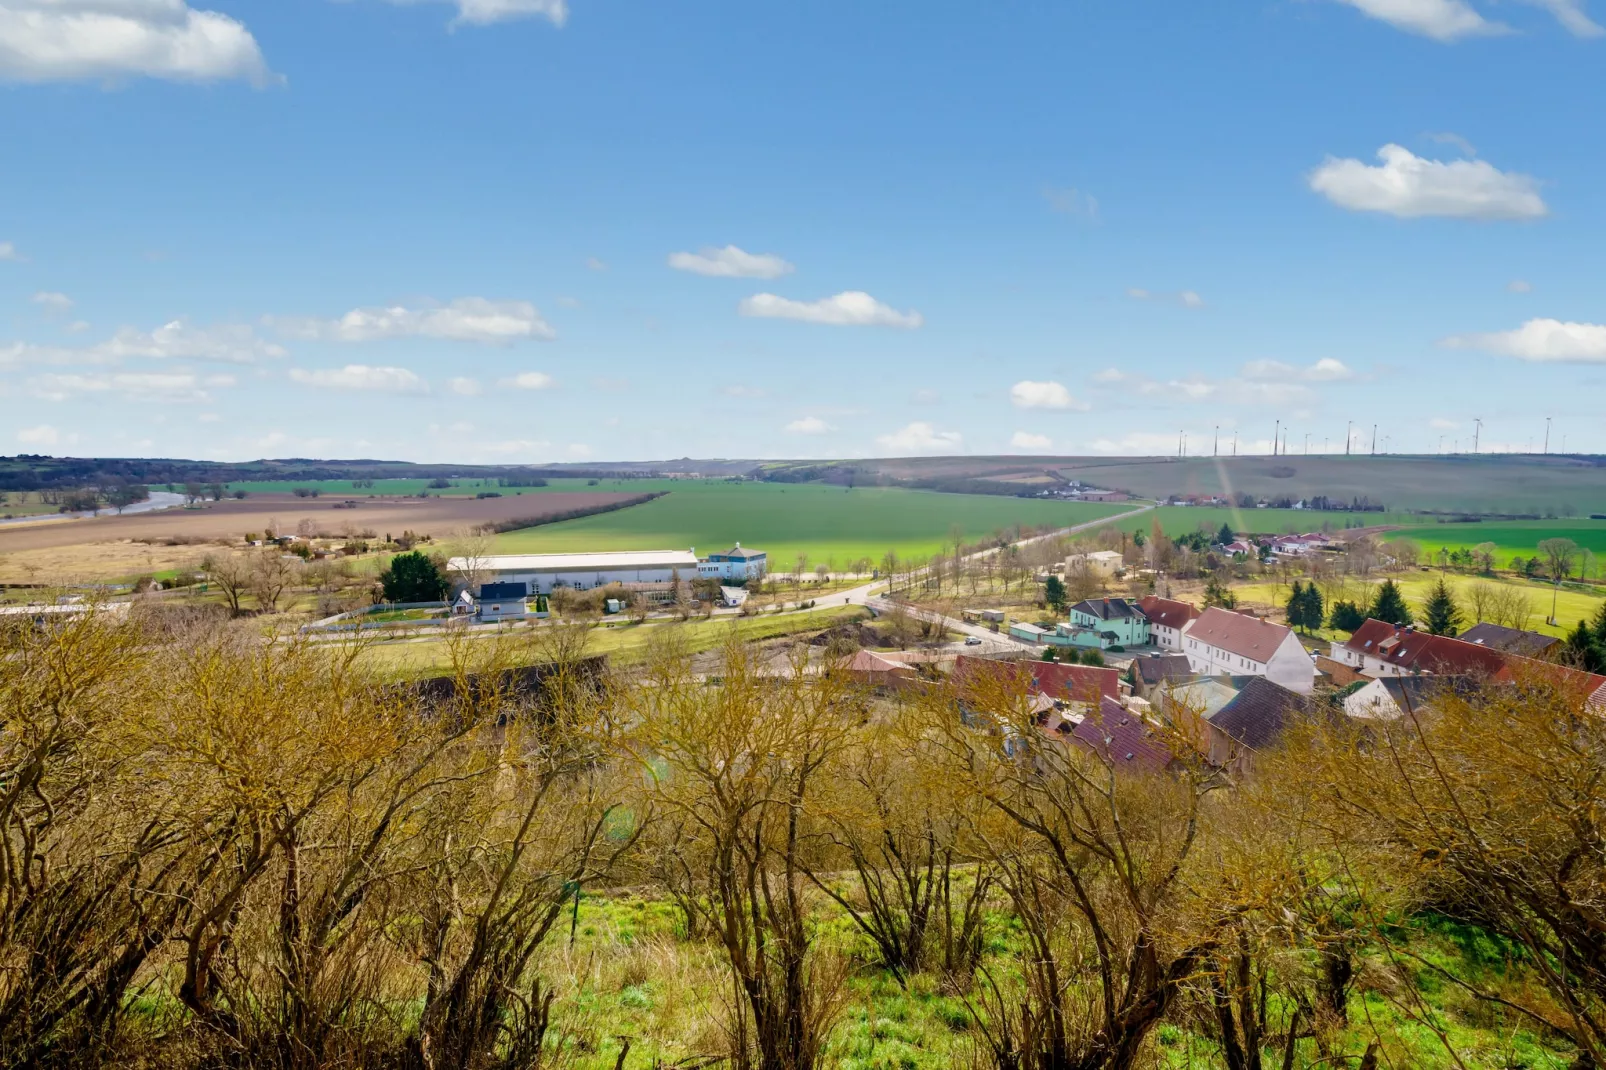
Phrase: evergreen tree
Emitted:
{"points": [[1346, 616], [412, 577], [1441, 615], [1296, 608], [1048, 653], [1584, 650], [1092, 656], [1315, 606], [1225, 535], [1389, 605], [1054, 593], [1598, 626], [1216, 593]]}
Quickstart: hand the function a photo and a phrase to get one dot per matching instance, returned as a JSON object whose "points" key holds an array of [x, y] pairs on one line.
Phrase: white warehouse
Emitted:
{"points": [[582, 572]]}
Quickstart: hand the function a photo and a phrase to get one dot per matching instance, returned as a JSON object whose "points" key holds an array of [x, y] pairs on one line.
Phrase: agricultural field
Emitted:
{"points": [[1572, 604], [1513, 537], [831, 524], [17, 503], [1178, 520]]}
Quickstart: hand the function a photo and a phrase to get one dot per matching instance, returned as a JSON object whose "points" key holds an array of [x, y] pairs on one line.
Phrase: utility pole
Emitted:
{"points": [[1547, 434], [1477, 432]]}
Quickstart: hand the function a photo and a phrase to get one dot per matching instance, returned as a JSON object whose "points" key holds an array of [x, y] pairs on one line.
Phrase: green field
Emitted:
{"points": [[832, 525], [1178, 520], [1514, 537], [343, 488]]}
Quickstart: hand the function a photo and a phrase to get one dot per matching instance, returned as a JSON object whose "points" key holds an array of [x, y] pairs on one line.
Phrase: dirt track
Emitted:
{"points": [[284, 512]]}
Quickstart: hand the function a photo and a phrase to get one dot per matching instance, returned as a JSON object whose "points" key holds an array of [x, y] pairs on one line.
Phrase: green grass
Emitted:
{"points": [[831, 524], [342, 488], [1514, 537], [1179, 519]]}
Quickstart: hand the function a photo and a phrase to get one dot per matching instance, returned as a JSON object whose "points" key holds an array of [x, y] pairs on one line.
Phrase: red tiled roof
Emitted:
{"points": [[1123, 739], [1075, 683], [1238, 634], [1414, 651], [1167, 612]]}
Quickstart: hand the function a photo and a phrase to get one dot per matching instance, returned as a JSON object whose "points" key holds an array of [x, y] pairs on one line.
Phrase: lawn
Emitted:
{"points": [[623, 641], [832, 525], [1514, 537], [1571, 605]]}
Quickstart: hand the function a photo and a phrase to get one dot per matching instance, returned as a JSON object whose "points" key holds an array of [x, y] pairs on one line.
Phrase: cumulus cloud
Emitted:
{"points": [[1028, 394], [1572, 16], [1541, 341], [1268, 383], [921, 437], [853, 308], [731, 263], [486, 12], [1185, 298], [468, 319], [809, 425], [379, 378], [464, 386], [1442, 20], [1409, 186], [72, 40], [133, 386], [56, 304], [8, 251], [42, 435], [528, 381], [1025, 440], [1326, 370]]}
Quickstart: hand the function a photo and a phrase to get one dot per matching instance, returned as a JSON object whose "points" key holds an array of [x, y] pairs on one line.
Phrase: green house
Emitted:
{"points": [[1116, 621]]}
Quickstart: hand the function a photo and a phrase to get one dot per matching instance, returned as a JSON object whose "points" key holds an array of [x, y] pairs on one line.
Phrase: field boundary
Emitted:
{"points": [[501, 527]]}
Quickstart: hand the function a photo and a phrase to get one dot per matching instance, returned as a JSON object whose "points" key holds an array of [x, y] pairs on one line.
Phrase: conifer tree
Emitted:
{"points": [[1441, 615], [1389, 605]]}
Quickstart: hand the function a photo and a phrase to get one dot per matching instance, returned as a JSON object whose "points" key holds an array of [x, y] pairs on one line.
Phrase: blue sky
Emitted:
{"points": [[519, 231]]}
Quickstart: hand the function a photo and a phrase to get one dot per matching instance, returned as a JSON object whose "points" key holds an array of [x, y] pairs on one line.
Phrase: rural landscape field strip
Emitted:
{"points": [[1511, 536]]}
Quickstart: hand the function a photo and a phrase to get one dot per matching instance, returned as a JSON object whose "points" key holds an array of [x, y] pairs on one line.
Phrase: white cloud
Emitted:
{"points": [[1072, 202], [1541, 341], [8, 251], [1442, 20], [134, 386], [809, 425], [1326, 370], [1571, 15], [1519, 286], [1439, 423], [1408, 186], [731, 263], [43, 435], [737, 390], [486, 12], [466, 387], [71, 40], [1269, 383], [1025, 440], [53, 303], [361, 377], [528, 381], [178, 340], [921, 437], [854, 308], [1027, 394], [1139, 443], [468, 319], [1185, 298]]}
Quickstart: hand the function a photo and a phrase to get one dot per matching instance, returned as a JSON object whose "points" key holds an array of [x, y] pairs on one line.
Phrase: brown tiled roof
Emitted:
{"points": [[1414, 651], [1123, 739], [1340, 674], [1156, 670], [1257, 715], [1076, 683], [1238, 634], [1167, 612], [1508, 640]]}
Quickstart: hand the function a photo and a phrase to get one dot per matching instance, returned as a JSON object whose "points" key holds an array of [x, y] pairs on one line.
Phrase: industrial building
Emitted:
{"points": [[583, 572]]}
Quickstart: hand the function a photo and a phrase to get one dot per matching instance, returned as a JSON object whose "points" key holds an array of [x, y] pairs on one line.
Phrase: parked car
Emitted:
{"points": [[972, 640]]}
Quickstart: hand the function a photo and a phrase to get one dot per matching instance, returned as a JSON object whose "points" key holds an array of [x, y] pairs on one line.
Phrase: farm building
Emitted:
{"points": [[1104, 562], [584, 572], [1220, 642], [503, 601], [734, 564]]}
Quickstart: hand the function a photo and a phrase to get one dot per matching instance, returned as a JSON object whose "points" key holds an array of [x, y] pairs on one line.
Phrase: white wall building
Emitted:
{"points": [[583, 572], [1220, 642]]}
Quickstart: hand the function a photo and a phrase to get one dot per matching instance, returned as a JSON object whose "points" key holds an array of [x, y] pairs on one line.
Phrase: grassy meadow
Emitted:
{"points": [[830, 524], [1180, 519], [1514, 537]]}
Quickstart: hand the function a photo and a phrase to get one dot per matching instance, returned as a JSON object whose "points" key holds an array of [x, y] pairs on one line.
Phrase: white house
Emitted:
{"points": [[734, 564], [1167, 618], [1220, 642], [583, 572], [1103, 562], [503, 601]]}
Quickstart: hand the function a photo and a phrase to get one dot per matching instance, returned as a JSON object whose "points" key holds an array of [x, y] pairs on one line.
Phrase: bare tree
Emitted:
{"points": [[272, 573], [231, 573], [1560, 556]]}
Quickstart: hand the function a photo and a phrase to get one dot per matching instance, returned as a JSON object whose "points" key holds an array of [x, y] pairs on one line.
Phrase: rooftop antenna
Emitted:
{"points": [[1477, 432]]}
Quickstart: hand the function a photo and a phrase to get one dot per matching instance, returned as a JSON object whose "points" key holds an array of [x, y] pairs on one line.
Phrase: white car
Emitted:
{"points": [[972, 641]]}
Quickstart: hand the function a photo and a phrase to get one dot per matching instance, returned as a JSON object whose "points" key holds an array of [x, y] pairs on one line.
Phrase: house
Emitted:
{"points": [[503, 601], [1252, 721], [1187, 700], [1241, 546], [464, 604], [1077, 685], [1221, 642], [1103, 562], [1122, 740], [634, 569], [1388, 697], [1028, 633], [1510, 640], [1117, 621], [1167, 618], [1378, 648], [732, 597], [878, 670], [734, 564], [1157, 671]]}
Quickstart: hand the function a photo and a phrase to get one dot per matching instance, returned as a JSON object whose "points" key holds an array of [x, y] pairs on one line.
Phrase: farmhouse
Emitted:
{"points": [[1111, 621], [1220, 642], [1378, 649], [1167, 618], [583, 572]]}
